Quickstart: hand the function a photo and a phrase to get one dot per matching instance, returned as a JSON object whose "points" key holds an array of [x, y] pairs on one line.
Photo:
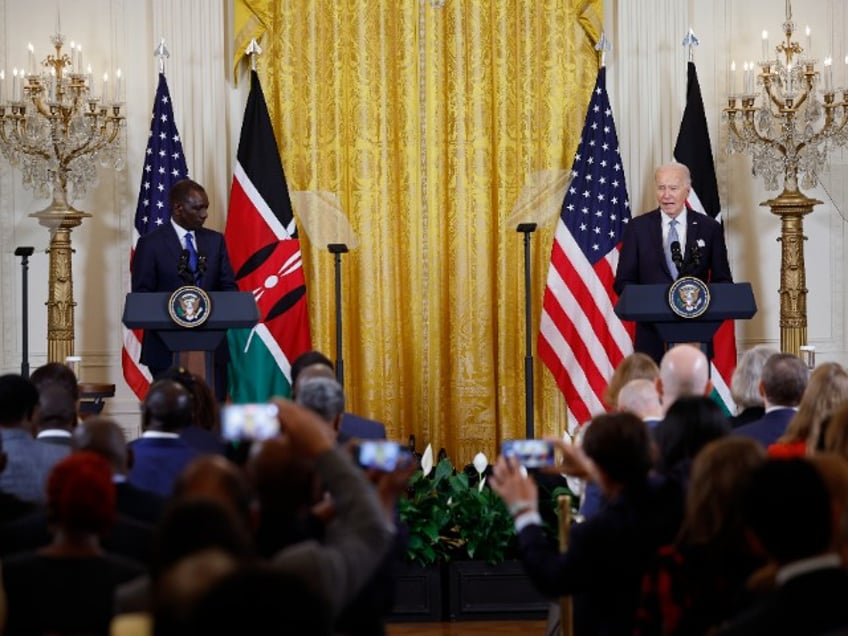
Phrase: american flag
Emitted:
{"points": [[164, 165], [581, 340]]}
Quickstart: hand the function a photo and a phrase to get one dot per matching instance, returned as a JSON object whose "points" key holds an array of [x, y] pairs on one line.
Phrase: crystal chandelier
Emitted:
{"points": [[55, 129], [790, 116]]}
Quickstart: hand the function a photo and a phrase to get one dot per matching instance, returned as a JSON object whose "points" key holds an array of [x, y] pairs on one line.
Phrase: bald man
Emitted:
{"points": [[641, 398], [684, 371]]}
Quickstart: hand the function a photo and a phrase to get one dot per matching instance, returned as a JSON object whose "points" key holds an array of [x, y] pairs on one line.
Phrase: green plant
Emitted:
{"points": [[426, 512]]}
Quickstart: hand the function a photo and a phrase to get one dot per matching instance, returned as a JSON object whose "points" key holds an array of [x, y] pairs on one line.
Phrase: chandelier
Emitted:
{"points": [[55, 128], [789, 116]]}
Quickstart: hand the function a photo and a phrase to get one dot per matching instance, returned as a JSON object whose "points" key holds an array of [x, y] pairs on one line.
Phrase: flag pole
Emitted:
{"points": [[337, 249], [527, 229]]}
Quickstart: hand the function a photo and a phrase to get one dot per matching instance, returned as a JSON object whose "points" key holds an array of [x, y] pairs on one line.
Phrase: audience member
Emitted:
{"points": [[799, 539], [825, 392], [784, 379], [836, 433], [159, 455], [640, 397], [12, 507], [633, 367], [324, 396], [684, 371], [834, 470], [609, 553], [55, 416], [56, 373], [102, 435], [67, 586], [745, 385], [204, 432], [28, 462], [699, 581], [314, 363]]}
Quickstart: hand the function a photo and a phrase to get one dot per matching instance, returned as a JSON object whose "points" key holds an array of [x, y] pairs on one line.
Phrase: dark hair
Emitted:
{"points": [[56, 373], [18, 399], [179, 191], [620, 445], [81, 493], [205, 409], [690, 423], [789, 533], [784, 379], [307, 359], [170, 404]]}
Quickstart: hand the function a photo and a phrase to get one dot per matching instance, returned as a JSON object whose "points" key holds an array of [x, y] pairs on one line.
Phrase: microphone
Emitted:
{"points": [[182, 268], [677, 256], [201, 264]]}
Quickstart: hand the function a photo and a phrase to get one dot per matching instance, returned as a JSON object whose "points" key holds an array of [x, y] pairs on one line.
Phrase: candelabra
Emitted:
{"points": [[789, 127], [55, 130]]}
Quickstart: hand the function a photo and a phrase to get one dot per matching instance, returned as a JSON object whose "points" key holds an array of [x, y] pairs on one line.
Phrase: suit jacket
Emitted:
{"points": [[155, 268], [29, 463], [805, 604], [158, 461], [642, 261], [360, 427], [746, 416], [769, 428], [138, 504]]}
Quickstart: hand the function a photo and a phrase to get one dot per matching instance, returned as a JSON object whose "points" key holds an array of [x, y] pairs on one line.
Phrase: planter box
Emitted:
{"points": [[479, 591], [418, 593]]}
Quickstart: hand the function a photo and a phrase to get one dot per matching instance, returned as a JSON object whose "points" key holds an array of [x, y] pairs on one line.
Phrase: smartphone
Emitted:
{"points": [[249, 422], [531, 453], [380, 454]]}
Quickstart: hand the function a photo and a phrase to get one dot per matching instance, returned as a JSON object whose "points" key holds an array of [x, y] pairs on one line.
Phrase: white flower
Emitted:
{"points": [[427, 460], [480, 463], [701, 243]]}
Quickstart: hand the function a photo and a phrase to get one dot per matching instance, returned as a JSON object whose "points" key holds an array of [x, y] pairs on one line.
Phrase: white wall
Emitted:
{"points": [[647, 80]]}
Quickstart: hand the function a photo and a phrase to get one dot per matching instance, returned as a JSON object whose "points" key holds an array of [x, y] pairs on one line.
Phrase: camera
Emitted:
{"points": [[531, 453], [249, 422], [381, 454]]}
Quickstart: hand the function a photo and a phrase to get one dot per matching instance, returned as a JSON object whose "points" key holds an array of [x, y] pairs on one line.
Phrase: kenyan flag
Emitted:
{"points": [[262, 243]]}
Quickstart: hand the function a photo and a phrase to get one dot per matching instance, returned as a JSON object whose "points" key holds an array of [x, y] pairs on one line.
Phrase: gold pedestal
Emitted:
{"points": [[60, 295], [792, 207]]}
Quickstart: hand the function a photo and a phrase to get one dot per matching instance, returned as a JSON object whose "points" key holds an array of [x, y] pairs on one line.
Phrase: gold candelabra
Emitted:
{"points": [[788, 117], [55, 129]]}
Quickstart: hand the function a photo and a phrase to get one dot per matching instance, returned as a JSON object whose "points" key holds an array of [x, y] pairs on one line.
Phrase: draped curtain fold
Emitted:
{"points": [[426, 121]]}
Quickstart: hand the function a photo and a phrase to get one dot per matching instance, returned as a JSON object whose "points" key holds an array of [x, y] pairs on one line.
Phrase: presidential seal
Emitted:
{"points": [[189, 306], [689, 297]]}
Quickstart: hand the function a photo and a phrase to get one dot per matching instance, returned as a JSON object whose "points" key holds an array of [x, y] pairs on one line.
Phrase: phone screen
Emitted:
{"points": [[379, 454], [247, 422], [531, 453]]}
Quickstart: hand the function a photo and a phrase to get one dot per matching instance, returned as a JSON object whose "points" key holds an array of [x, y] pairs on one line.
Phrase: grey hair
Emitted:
{"points": [[322, 395], [676, 165], [745, 383]]}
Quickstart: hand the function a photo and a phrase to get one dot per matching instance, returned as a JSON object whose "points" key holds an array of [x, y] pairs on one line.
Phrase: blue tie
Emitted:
{"points": [[672, 237], [192, 255]]}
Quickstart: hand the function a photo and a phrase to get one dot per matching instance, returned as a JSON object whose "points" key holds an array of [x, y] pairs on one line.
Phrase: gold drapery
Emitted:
{"points": [[426, 121]]}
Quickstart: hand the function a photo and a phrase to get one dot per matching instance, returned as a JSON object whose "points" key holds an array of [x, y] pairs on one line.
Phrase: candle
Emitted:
{"points": [[809, 43], [731, 79], [88, 80], [765, 45], [31, 57], [789, 80], [117, 96], [14, 84], [73, 54], [79, 59], [53, 84], [788, 10], [105, 92], [2, 84], [828, 73]]}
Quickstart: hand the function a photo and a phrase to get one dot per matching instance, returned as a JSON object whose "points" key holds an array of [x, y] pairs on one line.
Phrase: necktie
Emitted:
{"points": [[672, 237], [192, 255]]}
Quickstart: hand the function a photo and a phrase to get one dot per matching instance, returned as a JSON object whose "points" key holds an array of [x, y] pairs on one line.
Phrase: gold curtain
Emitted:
{"points": [[426, 121]]}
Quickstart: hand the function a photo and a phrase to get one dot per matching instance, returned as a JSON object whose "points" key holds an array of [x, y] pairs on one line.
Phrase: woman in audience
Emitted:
{"points": [[834, 470], [699, 581], [826, 391], [636, 365], [68, 586], [745, 385]]}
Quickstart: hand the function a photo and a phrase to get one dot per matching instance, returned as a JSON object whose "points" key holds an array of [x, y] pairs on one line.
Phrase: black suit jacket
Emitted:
{"points": [[155, 268], [642, 261]]}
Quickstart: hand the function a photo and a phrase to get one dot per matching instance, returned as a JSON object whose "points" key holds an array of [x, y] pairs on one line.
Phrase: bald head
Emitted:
{"points": [[640, 397], [103, 436], [167, 407], [684, 371]]}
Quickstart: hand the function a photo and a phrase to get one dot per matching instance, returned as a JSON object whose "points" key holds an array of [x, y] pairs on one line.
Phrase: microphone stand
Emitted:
{"points": [[337, 249], [527, 229], [24, 253]]}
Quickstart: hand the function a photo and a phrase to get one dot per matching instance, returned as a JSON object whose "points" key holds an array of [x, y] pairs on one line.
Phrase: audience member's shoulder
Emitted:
{"points": [[362, 427]]}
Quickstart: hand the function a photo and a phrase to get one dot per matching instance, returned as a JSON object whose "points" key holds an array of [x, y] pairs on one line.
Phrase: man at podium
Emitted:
{"points": [[182, 252], [671, 241]]}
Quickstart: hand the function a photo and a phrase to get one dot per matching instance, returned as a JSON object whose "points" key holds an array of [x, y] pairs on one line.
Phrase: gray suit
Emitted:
{"points": [[29, 463]]}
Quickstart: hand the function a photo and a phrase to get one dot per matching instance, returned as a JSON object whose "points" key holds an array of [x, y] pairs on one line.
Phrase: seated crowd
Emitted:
{"points": [[691, 522]]}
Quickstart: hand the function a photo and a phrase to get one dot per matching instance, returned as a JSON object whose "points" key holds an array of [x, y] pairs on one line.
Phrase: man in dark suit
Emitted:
{"points": [[669, 242], [782, 384], [179, 253]]}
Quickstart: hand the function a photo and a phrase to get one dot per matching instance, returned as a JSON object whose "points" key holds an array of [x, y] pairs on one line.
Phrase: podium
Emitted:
{"points": [[649, 304], [192, 347]]}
